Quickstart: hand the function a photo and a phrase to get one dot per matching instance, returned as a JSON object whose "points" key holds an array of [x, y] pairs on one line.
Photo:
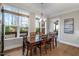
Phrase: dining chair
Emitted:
{"points": [[26, 46], [49, 43], [42, 44], [54, 39], [30, 46]]}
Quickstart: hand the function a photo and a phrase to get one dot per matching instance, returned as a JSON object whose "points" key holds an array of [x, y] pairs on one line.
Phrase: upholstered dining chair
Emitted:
{"points": [[53, 38], [24, 43], [50, 41], [31, 46], [27, 46], [42, 44]]}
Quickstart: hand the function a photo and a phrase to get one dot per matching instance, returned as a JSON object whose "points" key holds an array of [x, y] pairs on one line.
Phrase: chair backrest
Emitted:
{"points": [[44, 37], [32, 33], [41, 33], [32, 37], [51, 34]]}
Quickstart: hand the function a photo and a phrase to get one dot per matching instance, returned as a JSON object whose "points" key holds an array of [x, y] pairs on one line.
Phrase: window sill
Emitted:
{"points": [[14, 38]]}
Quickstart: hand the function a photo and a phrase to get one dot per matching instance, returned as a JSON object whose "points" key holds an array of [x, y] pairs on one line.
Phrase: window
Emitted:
{"points": [[43, 25], [37, 24], [40, 25], [23, 25], [15, 24], [10, 25]]}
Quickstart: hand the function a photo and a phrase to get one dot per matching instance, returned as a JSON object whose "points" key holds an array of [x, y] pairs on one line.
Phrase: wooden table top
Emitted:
{"points": [[33, 40]]}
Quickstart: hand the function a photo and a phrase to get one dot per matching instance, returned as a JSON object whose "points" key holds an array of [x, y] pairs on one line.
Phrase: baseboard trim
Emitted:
{"points": [[12, 49], [68, 43]]}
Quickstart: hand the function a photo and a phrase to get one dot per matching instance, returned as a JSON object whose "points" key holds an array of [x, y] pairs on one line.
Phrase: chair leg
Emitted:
{"points": [[35, 50], [40, 51], [46, 49], [31, 52], [23, 50], [53, 43], [56, 42], [50, 47], [27, 52]]}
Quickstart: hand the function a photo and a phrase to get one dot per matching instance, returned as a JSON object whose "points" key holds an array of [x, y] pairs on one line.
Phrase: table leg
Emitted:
{"points": [[55, 41], [31, 52]]}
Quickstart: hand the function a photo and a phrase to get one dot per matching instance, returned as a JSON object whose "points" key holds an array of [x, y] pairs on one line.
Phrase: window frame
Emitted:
{"points": [[27, 27], [18, 14], [10, 25]]}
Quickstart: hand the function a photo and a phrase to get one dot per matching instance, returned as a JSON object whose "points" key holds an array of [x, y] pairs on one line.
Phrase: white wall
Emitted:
{"points": [[13, 43], [51, 24], [72, 39]]}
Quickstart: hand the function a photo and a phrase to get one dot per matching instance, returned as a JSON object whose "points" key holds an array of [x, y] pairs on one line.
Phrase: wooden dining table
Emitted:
{"points": [[33, 42]]}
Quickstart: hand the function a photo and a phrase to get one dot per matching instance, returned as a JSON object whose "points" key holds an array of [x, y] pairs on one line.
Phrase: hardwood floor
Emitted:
{"points": [[61, 50]]}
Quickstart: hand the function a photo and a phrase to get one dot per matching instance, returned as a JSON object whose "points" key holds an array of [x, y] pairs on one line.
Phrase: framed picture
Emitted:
{"points": [[69, 25]]}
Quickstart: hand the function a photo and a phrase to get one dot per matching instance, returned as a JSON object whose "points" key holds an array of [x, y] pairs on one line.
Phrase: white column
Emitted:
{"points": [[48, 25], [18, 27], [31, 24]]}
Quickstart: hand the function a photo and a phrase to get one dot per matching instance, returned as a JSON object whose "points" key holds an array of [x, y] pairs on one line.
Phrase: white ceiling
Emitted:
{"points": [[49, 9]]}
